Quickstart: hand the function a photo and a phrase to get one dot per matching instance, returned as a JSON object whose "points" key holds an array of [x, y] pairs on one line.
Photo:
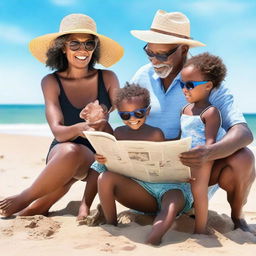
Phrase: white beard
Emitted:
{"points": [[167, 69]]}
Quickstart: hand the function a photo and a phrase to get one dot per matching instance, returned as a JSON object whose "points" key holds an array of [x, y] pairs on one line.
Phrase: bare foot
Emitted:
{"points": [[153, 238], [241, 223], [95, 218], [31, 210], [12, 204], [83, 212]]}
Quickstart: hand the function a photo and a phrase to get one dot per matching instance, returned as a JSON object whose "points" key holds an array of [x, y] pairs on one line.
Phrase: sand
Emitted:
{"points": [[22, 159]]}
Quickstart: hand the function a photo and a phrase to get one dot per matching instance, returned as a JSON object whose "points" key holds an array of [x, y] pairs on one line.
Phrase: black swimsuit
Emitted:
{"points": [[71, 113]]}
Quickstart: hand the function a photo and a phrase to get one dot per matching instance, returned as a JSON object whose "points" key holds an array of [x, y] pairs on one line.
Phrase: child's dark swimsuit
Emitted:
{"points": [[71, 113]]}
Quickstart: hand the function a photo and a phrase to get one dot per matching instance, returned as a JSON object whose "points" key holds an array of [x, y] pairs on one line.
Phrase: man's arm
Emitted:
{"points": [[237, 137]]}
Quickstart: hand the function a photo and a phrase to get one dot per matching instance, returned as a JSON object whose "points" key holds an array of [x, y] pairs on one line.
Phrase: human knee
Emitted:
{"points": [[242, 164], [244, 157], [71, 150], [105, 178]]}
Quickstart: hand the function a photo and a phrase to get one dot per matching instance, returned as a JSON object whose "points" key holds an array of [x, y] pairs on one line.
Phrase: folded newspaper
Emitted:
{"points": [[144, 160]]}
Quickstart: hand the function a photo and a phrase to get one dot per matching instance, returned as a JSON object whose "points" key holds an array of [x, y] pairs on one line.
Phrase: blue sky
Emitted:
{"points": [[228, 27]]}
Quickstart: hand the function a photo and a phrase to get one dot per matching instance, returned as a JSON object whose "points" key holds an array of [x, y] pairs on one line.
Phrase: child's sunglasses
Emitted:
{"points": [[189, 85], [88, 45], [138, 113]]}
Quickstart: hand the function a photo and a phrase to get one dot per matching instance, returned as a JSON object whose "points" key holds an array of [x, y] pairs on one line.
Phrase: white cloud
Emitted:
{"points": [[64, 2], [21, 82], [212, 7], [14, 34]]}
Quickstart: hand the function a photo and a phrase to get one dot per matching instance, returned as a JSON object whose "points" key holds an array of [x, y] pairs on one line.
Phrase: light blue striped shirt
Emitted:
{"points": [[166, 106]]}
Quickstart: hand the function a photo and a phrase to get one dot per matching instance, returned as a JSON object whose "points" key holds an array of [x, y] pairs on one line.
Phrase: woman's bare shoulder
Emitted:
{"points": [[109, 76], [49, 82]]}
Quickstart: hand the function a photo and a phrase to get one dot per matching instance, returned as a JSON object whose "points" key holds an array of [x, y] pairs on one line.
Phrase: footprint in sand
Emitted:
{"points": [[36, 227], [112, 247]]}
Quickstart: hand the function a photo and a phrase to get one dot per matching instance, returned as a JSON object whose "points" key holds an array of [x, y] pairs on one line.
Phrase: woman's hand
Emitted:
{"points": [[100, 158], [95, 115], [94, 112], [81, 127]]}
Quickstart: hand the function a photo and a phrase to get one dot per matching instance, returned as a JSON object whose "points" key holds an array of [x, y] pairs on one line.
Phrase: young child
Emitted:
{"points": [[168, 199], [201, 121]]}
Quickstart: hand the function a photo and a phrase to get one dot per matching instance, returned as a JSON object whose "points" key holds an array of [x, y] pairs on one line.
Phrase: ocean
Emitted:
{"points": [[30, 119]]}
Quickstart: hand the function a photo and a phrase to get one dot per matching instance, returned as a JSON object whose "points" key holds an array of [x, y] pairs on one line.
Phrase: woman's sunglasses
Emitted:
{"points": [[138, 113], [189, 85], [160, 56], [88, 45]]}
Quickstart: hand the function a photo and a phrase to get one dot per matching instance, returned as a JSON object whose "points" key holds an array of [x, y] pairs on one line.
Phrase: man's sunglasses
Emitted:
{"points": [[88, 45], [189, 85], [138, 113], [160, 56]]}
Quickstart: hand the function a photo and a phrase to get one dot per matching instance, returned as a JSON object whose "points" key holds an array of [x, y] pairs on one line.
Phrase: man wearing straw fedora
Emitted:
{"points": [[167, 45]]}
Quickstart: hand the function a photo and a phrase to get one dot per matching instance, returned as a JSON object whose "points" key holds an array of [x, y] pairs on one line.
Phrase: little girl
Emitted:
{"points": [[166, 199], [201, 121]]}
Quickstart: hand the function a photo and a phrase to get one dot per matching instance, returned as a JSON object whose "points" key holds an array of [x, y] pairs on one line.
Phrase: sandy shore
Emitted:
{"points": [[22, 159]]}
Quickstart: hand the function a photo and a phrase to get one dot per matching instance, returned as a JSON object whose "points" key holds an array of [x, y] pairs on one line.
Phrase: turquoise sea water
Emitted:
{"points": [[34, 115]]}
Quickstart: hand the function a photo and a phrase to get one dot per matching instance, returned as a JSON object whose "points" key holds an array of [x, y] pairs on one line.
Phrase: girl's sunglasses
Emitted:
{"points": [[88, 45], [189, 85], [138, 113]]}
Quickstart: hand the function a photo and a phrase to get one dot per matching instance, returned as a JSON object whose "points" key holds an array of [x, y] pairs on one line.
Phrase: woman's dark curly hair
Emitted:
{"points": [[57, 60], [212, 67], [130, 91]]}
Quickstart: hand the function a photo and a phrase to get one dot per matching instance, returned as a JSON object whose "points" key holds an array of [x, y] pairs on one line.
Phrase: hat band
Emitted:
{"points": [[169, 33]]}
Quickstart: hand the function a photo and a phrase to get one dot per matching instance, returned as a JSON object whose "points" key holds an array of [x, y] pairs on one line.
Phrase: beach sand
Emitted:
{"points": [[22, 159]]}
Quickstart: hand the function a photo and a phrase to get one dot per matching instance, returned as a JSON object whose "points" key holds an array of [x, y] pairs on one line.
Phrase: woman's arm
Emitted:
{"points": [[54, 114], [112, 85]]}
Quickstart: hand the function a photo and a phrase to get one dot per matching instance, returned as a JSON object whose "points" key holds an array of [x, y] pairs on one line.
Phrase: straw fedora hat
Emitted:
{"points": [[110, 51], [168, 28]]}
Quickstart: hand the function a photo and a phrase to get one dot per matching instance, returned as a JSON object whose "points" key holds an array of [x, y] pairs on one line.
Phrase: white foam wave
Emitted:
{"points": [[26, 129]]}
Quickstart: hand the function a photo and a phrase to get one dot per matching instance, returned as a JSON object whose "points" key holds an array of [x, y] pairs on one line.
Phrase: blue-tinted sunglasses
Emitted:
{"points": [[189, 85], [138, 113]]}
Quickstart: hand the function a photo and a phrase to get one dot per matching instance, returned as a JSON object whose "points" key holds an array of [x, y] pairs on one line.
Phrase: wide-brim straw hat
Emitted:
{"points": [[168, 28], [110, 50]]}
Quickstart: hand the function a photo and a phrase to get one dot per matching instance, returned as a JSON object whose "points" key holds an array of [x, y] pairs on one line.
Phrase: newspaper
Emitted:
{"points": [[143, 160]]}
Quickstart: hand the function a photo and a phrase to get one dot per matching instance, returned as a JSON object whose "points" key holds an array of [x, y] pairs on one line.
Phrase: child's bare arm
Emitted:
{"points": [[212, 121], [100, 158]]}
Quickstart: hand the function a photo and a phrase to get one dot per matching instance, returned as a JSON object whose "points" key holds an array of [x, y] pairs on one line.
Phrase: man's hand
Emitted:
{"points": [[196, 156]]}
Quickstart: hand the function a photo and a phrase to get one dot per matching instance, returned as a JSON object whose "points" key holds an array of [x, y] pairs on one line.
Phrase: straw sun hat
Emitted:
{"points": [[168, 28], [110, 51]]}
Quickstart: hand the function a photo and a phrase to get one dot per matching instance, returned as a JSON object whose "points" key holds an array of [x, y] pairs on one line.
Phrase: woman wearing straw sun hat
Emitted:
{"points": [[71, 53]]}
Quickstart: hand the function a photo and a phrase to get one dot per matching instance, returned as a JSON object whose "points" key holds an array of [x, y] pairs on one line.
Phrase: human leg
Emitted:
{"points": [[199, 188], [66, 160], [89, 194], [235, 174], [113, 186], [43, 204], [173, 202]]}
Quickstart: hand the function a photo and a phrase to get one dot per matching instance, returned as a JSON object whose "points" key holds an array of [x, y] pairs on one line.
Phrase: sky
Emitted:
{"points": [[227, 27]]}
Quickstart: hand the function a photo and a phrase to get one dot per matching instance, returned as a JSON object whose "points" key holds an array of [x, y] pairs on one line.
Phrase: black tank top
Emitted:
{"points": [[71, 113]]}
